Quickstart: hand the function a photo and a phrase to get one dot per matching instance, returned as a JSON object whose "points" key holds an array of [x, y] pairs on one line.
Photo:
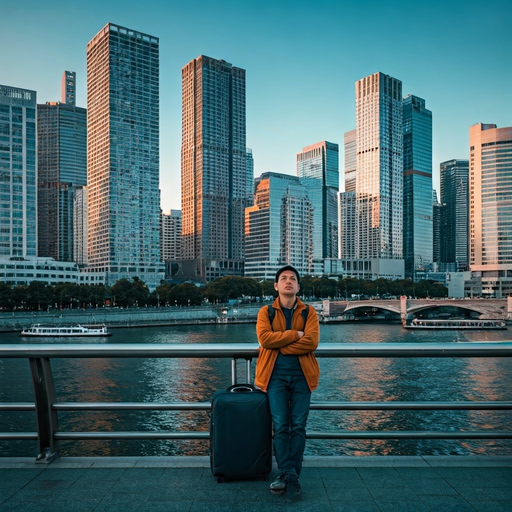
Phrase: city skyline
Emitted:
{"points": [[302, 62]]}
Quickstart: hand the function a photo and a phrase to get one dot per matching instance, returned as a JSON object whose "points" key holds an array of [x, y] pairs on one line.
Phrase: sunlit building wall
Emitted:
{"points": [[379, 180], [318, 170], [490, 208], [213, 167], [278, 228], [61, 169], [347, 223], [123, 155], [417, 187], [454, 178], [18, 180]]}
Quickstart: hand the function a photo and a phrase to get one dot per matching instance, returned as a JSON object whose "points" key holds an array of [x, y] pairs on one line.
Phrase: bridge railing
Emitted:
{"points": [[47, 406]]}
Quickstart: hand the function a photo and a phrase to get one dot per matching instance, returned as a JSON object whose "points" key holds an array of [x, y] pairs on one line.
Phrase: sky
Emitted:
{"points": [[302, 59]]}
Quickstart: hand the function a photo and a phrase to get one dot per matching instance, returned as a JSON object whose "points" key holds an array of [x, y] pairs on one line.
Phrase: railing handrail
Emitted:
{"points": [[47, 406], [250, 350]]}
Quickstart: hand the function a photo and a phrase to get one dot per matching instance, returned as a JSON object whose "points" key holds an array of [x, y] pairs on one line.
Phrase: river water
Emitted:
{"points": [[358, 379]]}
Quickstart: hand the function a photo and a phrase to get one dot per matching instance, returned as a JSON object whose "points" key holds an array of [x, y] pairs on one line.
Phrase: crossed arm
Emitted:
{"points": [[290, 342]]}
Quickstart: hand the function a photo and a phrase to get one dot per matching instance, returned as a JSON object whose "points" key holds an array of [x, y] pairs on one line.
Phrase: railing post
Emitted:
{"points": [[233, 371], [47, 420], [248, 370]]}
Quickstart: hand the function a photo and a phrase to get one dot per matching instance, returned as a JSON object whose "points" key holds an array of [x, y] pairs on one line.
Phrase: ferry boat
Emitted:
{"points": [[474, 324], [45, 330]]}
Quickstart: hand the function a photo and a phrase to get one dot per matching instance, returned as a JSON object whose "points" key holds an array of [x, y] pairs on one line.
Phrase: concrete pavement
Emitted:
{"points": [[185, 484]]}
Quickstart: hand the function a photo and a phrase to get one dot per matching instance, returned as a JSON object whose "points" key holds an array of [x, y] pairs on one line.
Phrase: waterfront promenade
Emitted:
{"points": [[185, 484]]}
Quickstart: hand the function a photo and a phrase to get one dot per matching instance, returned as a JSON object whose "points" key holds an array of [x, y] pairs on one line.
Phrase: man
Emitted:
{"points": [[288, 371]]}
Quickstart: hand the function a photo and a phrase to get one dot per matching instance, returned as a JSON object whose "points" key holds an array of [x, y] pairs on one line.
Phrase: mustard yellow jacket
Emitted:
{"points": [[274, 338]]}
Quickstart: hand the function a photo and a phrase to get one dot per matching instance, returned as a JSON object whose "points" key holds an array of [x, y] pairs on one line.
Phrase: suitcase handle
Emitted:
{"points": [[241, 388]]}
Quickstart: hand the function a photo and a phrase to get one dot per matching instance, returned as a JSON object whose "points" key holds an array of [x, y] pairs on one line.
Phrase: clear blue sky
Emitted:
{"points": [[302, 60]]}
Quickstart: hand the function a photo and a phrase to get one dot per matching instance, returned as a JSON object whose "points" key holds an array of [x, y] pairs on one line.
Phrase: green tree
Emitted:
{"points": [[232, 287], [39, 295], [186, 294], [6, 298], [128, 293]]}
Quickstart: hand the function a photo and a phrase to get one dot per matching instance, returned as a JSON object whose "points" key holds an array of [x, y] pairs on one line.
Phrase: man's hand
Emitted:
{"points": [[301, 333]]}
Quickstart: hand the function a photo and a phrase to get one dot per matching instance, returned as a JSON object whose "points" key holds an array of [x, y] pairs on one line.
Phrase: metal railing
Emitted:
{"points": [[47, 407]]}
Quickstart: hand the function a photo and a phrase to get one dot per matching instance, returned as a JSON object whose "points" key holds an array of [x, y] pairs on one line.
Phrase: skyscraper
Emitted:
{"points": [[80, 226], [68, 88], [123, 155], [278, 228], [213, 167], [18, 163], [347, 202], [417, 195], [454, 176], [491, 208], [318, 170], [350, 160], [171, 235], [62, 168], [436, 221], [249, 197], [379, 181]]}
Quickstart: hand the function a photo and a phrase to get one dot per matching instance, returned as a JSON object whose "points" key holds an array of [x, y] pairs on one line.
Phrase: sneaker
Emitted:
{"points": [[293, 492], [279, 484]]}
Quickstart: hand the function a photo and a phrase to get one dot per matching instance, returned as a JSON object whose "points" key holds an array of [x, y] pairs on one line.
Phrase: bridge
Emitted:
{"points": [[406, 309]]}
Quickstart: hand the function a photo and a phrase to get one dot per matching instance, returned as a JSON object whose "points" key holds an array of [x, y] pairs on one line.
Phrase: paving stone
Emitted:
{"points": [[362, 506]]}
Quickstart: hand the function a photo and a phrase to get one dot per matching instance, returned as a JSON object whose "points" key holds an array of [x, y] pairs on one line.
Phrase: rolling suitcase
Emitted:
{"points": [[240, 434]]}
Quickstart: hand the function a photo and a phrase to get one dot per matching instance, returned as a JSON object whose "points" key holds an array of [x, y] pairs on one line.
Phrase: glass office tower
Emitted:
{"points": [[454, 176], [491, 208], [62, 169], [278, 228], [213, 167], [318, 170], [379, 177], [249, 198], [18, 164], [417, 202], [123, 155]]}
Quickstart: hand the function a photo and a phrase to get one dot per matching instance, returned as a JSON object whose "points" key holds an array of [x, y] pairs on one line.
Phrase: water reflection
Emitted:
{"points": [[356, 379]]}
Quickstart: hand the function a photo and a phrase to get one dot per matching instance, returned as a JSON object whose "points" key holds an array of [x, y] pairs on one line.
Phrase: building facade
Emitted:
{"points": [[350, 160], [279, 227], [490, 210], [18, 180], [436, 232], [379, 179], [318, 170], [454, 179], [171, 235], [213, 167], [61, 170], [249, 197], [80, 227], [68, 88], [417, 187], [123, 156]]}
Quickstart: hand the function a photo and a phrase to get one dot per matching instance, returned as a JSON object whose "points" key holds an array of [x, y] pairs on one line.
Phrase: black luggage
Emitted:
{"points": [[240, 434]]}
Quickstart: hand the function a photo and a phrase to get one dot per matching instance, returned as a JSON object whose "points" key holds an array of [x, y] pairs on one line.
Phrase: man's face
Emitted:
{"points": [[287, 284]]}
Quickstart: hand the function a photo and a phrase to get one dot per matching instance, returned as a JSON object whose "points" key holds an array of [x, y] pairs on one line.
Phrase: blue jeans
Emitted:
{"points": [[289, 399]]}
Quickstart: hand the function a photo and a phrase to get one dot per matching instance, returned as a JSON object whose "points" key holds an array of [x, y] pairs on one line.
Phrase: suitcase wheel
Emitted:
{"points": [[219, 479]]}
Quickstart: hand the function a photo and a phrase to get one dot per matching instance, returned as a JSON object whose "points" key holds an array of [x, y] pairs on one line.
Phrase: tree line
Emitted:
{"points": [[134, 292]]}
